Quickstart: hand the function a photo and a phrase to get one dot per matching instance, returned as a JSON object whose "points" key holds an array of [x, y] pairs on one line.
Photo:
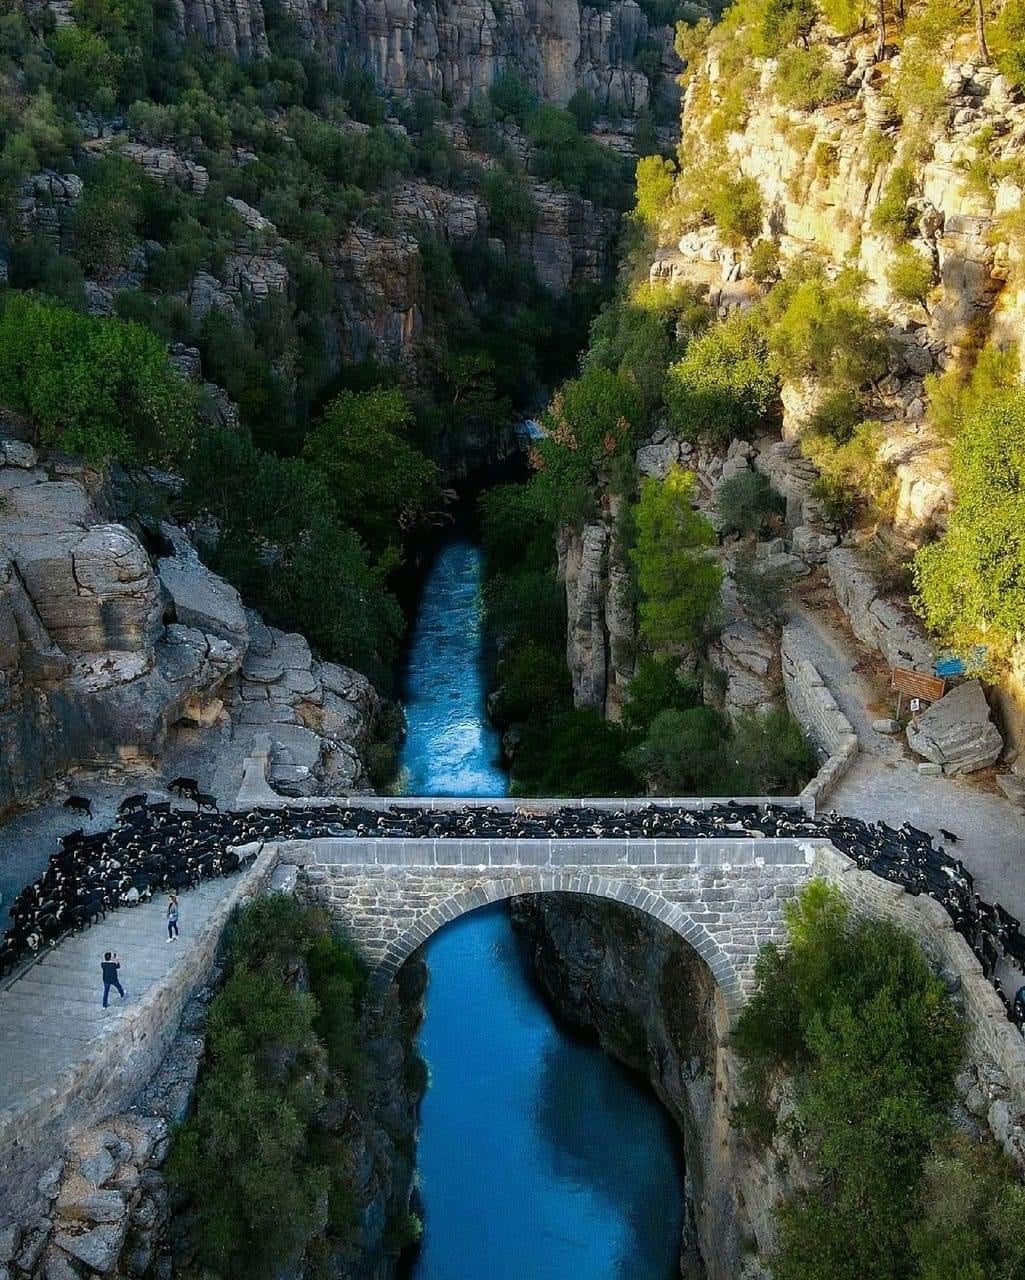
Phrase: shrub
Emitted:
{"points": [[656, 178], [657, 686], [1007, 40], [526, 604], [723, 386], [530, 676], [383, 483], [763, 261], [853, 478], [578, 753], [771, 748], [910, 276], [511, 206], [512, 98], [893, 216], [679, 582], [821, 331], [514, 532], [971, 583], [101, 388], [954, 396], [838, 415], [590, 421], [806, 78], [852, 1008], [689, 753], [747, 503], [762, 589], [735, 205], [971, 1212]]}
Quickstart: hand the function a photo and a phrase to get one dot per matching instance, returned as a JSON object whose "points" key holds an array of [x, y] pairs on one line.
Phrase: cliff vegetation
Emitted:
{"points": [[868, 1040]]}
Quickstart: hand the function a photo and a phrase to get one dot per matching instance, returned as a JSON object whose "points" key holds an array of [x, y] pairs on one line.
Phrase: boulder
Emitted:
{"points": [[956, 732], [202, 600], [98, 1248]]}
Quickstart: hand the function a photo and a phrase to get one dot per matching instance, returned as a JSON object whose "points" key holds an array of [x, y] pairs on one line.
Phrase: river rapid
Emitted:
{"points": [[539, 1157]]}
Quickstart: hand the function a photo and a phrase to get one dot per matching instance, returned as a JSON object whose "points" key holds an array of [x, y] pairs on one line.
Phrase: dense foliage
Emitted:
{"points": [[678, 580], [96, 387], [971, 583], [266, 1163], [851, 1008]]}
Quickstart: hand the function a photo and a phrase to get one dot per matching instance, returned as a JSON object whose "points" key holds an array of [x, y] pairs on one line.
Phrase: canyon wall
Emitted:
{"points": [[111, 652], [456, 49], [652, 1003]]}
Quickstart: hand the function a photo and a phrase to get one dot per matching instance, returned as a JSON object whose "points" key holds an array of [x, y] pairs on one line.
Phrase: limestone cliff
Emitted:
{"points": [[109, 656], [455, 48], [652, 1003]]}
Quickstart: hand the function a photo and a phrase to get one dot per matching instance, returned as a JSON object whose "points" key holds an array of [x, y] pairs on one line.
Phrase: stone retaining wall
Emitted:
{"points": [[993, 1084], [34, 1133], [816, 710]]}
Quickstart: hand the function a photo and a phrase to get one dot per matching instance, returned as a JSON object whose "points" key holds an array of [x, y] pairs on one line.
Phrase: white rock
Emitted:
{"points": [[956, 732]]}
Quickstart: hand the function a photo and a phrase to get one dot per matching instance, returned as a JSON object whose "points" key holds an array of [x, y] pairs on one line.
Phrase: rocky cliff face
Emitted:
{"points": [[600, 631], [652, 1003], [455, 49], [108, 655], [822, 175]]}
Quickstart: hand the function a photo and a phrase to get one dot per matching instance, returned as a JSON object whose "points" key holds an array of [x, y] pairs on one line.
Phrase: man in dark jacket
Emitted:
{"points": [[110, 966]]}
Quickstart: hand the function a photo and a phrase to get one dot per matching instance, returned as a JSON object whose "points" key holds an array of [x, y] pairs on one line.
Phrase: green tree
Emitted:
{"points": [[686, 753], [282, 543], [101, 388], [383, 484], [821, 331], [656, 178], [678, 580], [746, 503], [654, 687], [910, 276], [852, 1007], [971, 583], [590, 422], [578, 753], [723, 386]]}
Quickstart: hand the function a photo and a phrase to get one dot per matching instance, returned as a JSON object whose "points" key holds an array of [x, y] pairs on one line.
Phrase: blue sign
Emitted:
{"points": [[949, 667]]}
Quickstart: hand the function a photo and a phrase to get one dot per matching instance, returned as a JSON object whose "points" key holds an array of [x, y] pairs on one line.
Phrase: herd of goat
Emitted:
{"points": [[157, 847]]}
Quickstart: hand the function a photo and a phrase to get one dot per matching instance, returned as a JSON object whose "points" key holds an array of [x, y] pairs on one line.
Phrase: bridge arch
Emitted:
{"points": [[460, 903]]}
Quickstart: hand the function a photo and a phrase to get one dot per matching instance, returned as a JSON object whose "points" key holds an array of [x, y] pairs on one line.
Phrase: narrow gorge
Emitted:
{"points": [[534, 401]]}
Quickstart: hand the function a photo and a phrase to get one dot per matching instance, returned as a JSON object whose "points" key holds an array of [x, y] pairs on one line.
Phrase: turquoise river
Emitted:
{"points": [[539, 1157]]}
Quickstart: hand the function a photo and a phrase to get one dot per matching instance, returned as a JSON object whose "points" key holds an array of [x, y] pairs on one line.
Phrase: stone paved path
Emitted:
{"points": [[51, 1015], [884, 782]]}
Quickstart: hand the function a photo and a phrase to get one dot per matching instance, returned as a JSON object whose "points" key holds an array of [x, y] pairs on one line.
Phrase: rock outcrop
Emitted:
{"points": [[103, 653], [600, 623], [957, 732]]}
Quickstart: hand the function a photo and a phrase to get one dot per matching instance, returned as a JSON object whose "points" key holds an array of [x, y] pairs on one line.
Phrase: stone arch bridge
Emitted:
{"points": [[723, 897]]}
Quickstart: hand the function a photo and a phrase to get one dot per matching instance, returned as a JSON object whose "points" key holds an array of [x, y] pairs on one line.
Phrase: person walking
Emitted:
{"points": [[172, 918], [109, 967]]}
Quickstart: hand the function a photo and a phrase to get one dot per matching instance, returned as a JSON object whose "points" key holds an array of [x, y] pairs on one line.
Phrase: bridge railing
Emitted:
{"points": [[253, 794], [518, 854]]}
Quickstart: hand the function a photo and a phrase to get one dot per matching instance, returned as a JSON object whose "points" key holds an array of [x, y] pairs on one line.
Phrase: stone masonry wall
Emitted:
{"points": [[723, 897], [816, 710]]}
